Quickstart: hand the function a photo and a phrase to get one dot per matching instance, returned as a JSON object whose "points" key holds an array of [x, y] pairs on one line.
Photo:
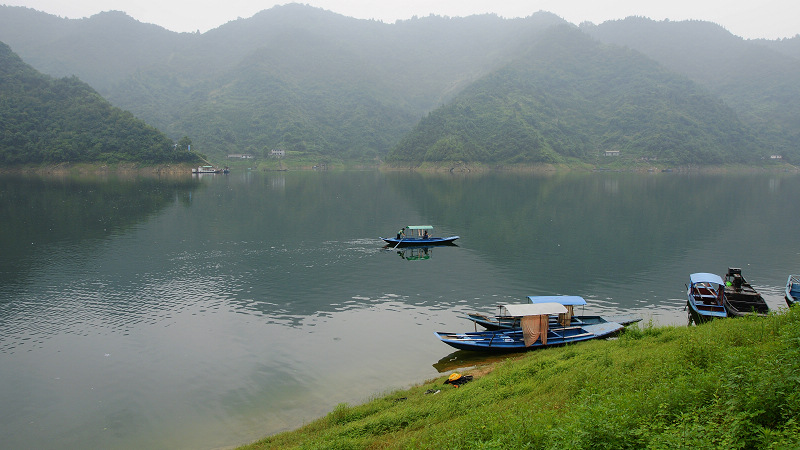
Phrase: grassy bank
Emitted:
{"points": [[733, 383]]}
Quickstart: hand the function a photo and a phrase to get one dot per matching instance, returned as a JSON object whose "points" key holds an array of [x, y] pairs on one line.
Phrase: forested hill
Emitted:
{"points": [[101, 50], [567, 96], [758, 79], [46, 120], [292, 77], [316, 83]]}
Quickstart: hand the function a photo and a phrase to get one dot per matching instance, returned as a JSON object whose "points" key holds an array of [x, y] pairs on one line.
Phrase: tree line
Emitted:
{"points": [[49, 120]]}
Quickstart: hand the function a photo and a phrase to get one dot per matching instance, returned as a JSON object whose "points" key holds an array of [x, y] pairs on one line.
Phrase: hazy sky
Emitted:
{"points": [[749, 19]]}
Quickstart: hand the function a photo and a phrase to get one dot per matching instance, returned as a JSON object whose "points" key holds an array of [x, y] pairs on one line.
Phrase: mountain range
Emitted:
{"points": [[479, 88], [53, 121]]}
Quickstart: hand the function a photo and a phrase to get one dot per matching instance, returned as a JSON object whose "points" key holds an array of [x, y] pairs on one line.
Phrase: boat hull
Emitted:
{"points": [[505, 323], [700, 313], [409, 242], [512, 340], [741, 299], [740, 306], [792, 294]]}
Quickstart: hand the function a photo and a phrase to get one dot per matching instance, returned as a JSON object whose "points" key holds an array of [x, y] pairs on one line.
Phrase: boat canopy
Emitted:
{"points": [[703, 277], [533, 309], [566, 300], [419, 227]]}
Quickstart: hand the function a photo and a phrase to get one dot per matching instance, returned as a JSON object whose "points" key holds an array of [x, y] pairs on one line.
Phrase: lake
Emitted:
{"points": [[206, 312]]}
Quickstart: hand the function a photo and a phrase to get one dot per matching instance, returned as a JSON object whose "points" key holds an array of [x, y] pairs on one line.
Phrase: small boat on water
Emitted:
{"points": [[536, 331], [792, 290], [740, 298], [417, 235], [206, 169], [704, 298], [499, 321]]}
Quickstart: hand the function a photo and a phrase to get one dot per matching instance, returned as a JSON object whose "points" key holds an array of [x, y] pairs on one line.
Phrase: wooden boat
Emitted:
{"points": [[740, 298], [499, 322], [536, 331], [417, 235], [792, 290]]}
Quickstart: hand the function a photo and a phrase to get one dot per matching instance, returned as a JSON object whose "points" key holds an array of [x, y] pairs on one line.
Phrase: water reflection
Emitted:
{"points": [[463, 359], [212, 312], [42, 216], [570, 236], [416, 253]]}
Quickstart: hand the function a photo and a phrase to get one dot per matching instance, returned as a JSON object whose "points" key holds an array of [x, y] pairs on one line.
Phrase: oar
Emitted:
{"points": [[398, 243]]}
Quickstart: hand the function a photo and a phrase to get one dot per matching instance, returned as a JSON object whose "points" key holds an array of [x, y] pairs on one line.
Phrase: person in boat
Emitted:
{"points": [[425, 235], [402, 233]]}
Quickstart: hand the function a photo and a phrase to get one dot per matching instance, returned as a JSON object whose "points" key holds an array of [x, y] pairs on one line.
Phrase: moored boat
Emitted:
{"points": [[417, 235], [704, 297], [792, 295], [499, 321], [740, 297], [206, 169], [536, 331]]}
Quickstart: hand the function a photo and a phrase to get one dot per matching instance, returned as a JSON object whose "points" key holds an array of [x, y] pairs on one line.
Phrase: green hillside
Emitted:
{"points": [[757, 79], [326, 86], [100, 50], [568, 96], [310, 81], [46, 120], [292, 77]]}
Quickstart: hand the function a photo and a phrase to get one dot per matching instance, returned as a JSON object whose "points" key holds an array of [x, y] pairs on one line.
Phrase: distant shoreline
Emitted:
{"points": [[461, 167], [452, 167], [97, 168]]}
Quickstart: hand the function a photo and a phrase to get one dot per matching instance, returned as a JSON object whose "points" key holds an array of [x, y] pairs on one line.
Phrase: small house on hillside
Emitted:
{"points": [[277, 153], [612, 153]]}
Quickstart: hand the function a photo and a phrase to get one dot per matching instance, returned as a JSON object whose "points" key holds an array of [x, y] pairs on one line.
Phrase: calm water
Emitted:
{"points": [[204, 313]]}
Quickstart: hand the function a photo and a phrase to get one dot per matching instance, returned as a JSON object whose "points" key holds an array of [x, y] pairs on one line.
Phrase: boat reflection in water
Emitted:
{"points": [[415, 253], [420, 253], [465, 359]]}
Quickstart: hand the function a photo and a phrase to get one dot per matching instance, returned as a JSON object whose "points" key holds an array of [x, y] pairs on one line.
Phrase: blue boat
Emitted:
{"points": [[499, 321], [705, 298], [415, 235], [792, 290], [536, 331]]}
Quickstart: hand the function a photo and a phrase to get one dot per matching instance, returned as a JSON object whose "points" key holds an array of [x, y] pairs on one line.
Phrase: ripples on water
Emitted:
{"points": [[209, 329]]}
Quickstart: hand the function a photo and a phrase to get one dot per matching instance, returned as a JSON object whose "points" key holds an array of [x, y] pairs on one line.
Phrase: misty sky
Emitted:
{"points": [[749, 19]]}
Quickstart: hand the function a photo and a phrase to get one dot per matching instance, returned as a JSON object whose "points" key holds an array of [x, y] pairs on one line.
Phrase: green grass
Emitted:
{"points": [[728, 384]]}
